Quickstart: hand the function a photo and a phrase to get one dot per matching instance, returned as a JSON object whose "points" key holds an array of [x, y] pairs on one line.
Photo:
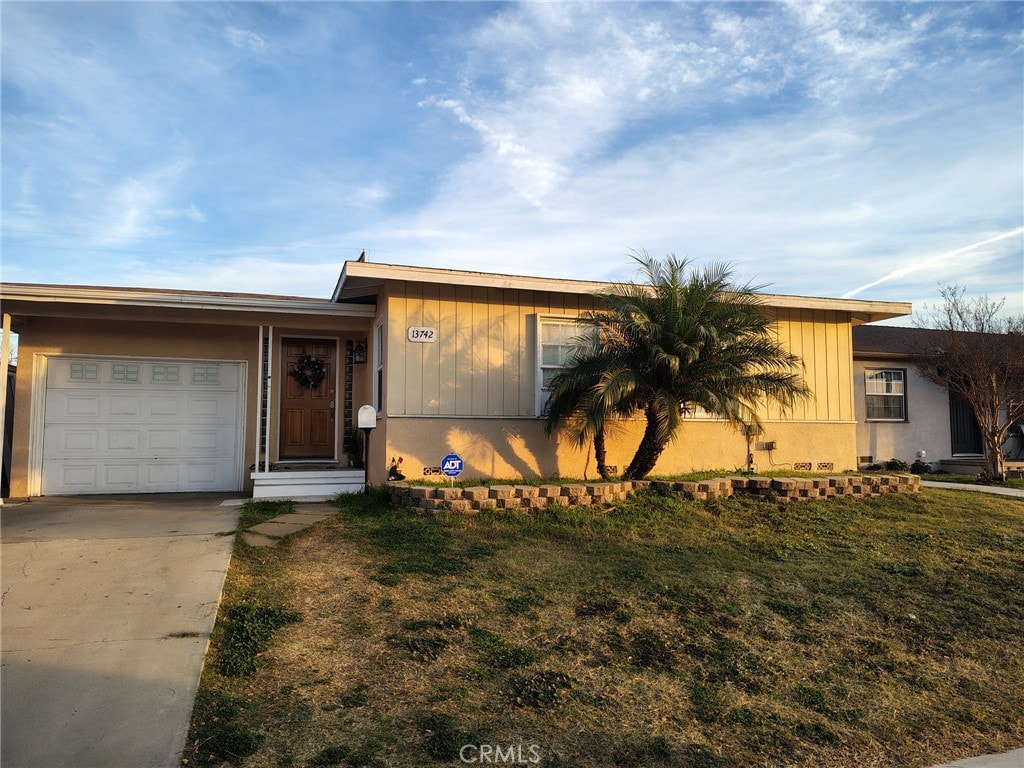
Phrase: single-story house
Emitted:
{"points": [[903, 415], [123, 390]]}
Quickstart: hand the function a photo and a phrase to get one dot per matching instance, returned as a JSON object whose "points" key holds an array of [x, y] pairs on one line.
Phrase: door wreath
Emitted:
{"points": [[310, 371]]}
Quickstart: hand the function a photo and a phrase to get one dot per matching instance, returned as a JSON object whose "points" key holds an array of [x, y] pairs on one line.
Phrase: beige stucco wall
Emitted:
{"points": [[510, 448], [135, 338], [927, 427]]}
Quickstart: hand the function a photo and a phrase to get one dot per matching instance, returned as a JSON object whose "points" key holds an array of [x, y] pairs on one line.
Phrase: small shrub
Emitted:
{"points": [[895, 465], [920, 467]]}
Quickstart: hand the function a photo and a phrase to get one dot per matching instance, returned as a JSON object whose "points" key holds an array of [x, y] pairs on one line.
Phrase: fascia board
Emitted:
{"points": [[54, 294], [365, 272]]}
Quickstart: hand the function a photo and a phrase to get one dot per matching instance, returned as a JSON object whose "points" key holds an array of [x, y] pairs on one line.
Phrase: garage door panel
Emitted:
{"points": [[125, 406], [121, 476], [77, 407], [72, 477], [167, 407], [86, 441], [140, 426], [124, 440]]}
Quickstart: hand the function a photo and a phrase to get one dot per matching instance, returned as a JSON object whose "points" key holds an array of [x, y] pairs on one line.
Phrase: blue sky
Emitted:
{"points": [[866, 150]]}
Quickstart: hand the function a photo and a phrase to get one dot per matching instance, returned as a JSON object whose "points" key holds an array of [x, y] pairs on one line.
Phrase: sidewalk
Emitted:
{"points": [[995, 489], [1014, 759]]}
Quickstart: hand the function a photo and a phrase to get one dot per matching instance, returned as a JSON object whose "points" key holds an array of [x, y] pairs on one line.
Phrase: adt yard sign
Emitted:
{"points": [[451, 465]]}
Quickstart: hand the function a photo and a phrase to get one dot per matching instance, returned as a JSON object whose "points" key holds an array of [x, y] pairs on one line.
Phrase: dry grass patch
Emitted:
{"points": [[660, 633]]}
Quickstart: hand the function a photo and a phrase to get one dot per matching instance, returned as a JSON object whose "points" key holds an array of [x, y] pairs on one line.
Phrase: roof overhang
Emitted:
{"points": [[38, 294], [360, 280]]}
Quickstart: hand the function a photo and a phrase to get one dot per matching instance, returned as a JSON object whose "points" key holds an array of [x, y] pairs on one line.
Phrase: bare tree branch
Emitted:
{"points": [[977, 353]]}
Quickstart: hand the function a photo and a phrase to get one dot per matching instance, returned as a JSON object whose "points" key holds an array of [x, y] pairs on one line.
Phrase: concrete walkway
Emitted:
{"points": [[302, 516], [978, 488], [107, 608], [1014, 759]]}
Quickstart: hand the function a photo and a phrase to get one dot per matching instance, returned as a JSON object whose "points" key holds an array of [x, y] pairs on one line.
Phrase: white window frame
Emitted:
{"points": [[540, 392], [378, 368], [899, 375]]}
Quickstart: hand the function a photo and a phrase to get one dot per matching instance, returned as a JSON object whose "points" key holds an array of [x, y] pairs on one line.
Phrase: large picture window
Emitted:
{"points": [[886, 394]]}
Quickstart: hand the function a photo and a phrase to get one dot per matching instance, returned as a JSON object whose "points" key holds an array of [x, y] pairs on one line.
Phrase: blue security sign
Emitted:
{"points": [[451, 465]]}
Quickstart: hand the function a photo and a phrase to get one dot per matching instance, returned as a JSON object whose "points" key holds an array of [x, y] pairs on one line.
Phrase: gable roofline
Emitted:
{"points": [[360, 280], [180, 299]]}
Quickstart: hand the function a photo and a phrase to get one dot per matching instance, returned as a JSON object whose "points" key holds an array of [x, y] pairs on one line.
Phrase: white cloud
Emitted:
{"points": [[373, 193], [246, 40], [135, 207]]}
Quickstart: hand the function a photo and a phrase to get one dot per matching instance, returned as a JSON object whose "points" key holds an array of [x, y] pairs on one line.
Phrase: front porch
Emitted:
{"points": [[298, 483], [304, 424]]}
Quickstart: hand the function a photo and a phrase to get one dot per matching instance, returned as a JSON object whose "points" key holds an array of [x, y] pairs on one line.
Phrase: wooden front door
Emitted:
{"points": [[308, 407], [965, 433]]}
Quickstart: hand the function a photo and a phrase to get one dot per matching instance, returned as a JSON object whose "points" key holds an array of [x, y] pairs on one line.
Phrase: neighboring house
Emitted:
{"points": [[902, 415], [132, 390]]}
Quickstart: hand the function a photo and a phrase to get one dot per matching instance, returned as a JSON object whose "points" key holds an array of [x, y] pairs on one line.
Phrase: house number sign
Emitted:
{"points": [[422, 335]]}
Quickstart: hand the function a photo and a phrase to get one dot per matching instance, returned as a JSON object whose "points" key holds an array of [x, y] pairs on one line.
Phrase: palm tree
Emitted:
{"points": [[573, 404], [684, 340]]}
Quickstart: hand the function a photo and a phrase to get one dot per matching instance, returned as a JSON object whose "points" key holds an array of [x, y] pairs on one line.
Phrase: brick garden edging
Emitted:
{"points": [[428, 499]]}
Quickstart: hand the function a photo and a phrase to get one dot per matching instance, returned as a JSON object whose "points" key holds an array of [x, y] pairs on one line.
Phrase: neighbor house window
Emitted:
{"points": [[886, 393]]}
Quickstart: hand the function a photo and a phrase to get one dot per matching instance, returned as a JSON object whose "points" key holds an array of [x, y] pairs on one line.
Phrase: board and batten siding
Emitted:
{"points": [[822, 339], [483, 362]]}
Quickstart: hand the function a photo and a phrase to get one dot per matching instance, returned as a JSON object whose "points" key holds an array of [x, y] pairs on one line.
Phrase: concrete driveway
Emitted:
{"points": [[107, 608]]}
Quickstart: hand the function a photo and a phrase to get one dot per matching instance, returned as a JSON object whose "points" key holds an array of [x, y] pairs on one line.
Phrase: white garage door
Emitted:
{"points": [[129, 425]]}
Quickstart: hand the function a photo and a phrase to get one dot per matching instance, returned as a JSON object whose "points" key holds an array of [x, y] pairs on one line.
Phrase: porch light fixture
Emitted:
{"points": [[359, 353]]}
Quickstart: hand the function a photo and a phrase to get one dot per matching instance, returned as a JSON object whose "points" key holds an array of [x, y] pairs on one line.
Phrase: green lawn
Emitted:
{"points": [[661, 632]]}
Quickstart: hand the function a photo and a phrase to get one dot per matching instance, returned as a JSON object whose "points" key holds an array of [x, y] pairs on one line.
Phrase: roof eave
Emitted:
{"points": [[363, 278], [54, 294]]}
